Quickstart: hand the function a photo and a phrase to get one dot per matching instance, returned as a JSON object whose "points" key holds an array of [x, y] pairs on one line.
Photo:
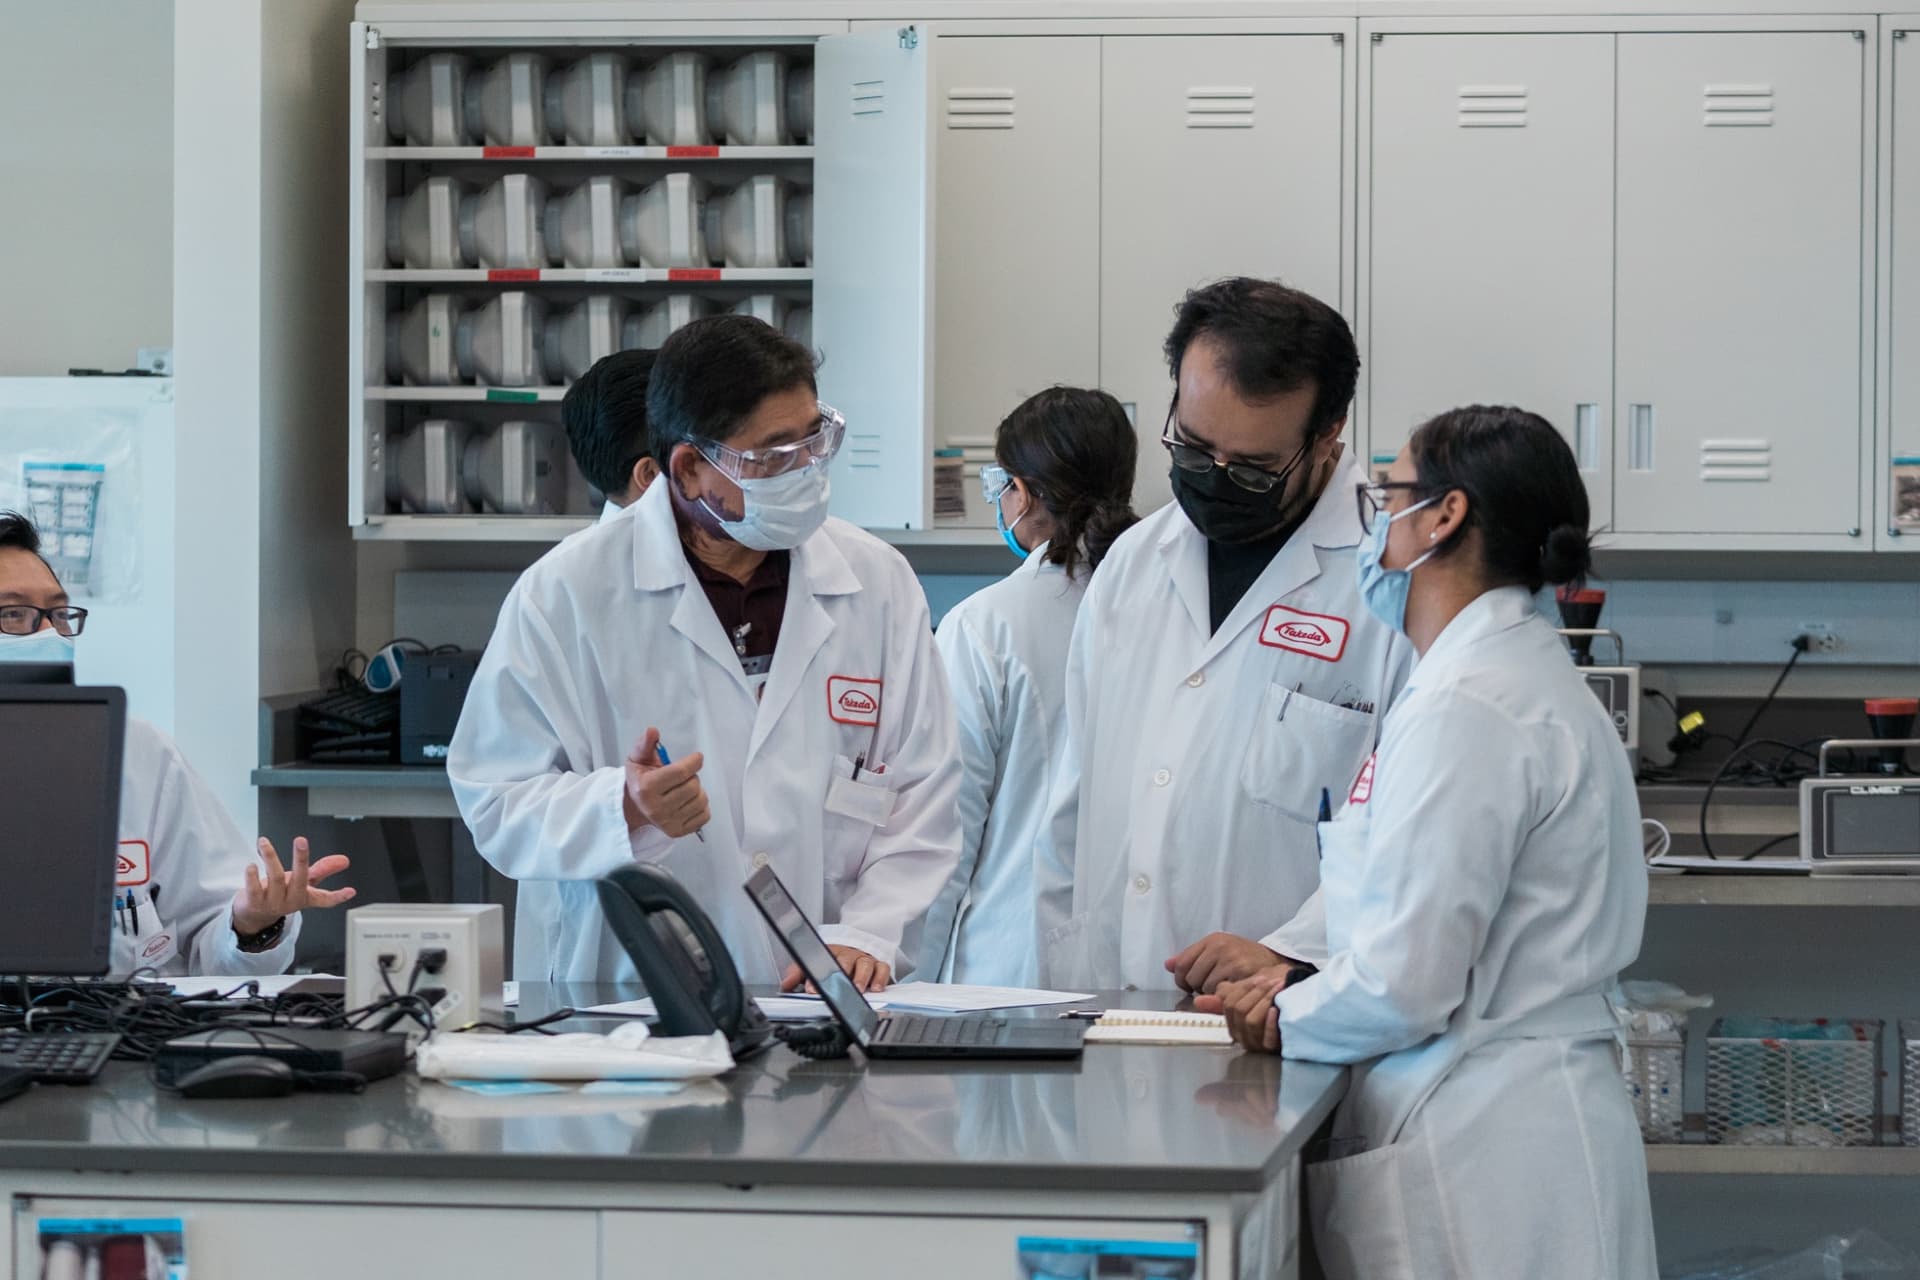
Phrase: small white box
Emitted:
{"points": [[463, 987]]}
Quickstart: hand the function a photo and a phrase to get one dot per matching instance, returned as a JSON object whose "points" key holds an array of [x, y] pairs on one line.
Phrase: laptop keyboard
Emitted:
{"points": [[912, 1029]]}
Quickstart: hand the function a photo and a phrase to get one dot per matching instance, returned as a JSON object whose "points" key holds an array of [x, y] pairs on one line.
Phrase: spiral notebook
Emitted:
{"points": [[1123, 1027]]}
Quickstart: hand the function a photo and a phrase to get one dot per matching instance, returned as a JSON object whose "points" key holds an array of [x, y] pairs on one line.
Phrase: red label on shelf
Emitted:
{"points": [[693, 273], [514, 273], [506, 153], [693, 153]]}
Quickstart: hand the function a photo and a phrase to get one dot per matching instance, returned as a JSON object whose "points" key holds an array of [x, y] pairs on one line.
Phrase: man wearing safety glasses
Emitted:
{"points": [[724, 680], [1225, 683]]}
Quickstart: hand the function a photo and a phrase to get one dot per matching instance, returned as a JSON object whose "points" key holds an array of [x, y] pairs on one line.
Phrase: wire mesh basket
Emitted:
{"points": [[1910, 1083], [1776, 1082], [1655, 1068]]}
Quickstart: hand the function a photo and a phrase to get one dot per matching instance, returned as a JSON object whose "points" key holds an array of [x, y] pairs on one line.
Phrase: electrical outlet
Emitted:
{"points": [[453, 956], [1821, 637]]}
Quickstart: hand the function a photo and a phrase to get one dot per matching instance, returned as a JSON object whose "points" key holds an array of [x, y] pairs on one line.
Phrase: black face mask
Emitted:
{"points": [[1227, 514]]}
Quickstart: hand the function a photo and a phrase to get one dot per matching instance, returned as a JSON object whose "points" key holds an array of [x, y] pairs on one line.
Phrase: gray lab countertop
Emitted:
{"points": [[1123, 1119]]}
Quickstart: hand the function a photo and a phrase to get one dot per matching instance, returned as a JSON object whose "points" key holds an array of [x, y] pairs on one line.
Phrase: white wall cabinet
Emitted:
{"points": [[1221, 155], [1896, 479], [1740, 278], [1658, 239]]}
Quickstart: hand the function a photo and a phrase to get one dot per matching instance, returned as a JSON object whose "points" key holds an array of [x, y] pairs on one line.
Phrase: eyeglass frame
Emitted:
{"points": [[995, 480], [733, 463], [1236, 471], [42, 617], [1369, 506]]}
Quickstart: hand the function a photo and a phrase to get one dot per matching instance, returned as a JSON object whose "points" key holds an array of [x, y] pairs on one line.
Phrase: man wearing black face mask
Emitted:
{"points": [[1225, 680]]}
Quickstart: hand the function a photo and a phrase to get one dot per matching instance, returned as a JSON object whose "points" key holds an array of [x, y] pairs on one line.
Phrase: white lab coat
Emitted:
{"points": [[183, 861], [1483, 889], [611, 633], [1005, 653], [1186, 799]]}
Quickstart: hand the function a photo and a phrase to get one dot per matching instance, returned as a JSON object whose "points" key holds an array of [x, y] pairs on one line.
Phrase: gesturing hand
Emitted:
{"points": [[271, 892], [667, 796]]}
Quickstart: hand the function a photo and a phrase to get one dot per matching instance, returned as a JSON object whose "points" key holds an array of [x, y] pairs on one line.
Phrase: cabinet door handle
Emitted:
{"points": [[1586, 436], [1131, 409], [1640, 437]]}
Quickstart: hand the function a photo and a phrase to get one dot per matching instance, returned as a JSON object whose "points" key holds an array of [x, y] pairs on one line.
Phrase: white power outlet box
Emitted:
{"points": [[453, 953]]}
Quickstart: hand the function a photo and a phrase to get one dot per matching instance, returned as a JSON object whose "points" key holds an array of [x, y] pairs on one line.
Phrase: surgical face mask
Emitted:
{"points": [[1385, 590], [995, 484], [779, 512], [44, 645]]}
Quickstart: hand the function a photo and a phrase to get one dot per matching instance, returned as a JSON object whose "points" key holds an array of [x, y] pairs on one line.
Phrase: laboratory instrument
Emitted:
{"points": [[1860, 823], [1617, 686]]}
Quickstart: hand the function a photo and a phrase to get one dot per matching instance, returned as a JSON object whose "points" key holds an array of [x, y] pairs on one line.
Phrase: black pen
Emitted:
{"points": [[133, 912], [1085, 1015]]}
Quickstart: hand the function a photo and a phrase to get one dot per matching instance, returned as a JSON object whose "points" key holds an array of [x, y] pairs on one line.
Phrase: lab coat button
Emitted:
{"points": [[1141, 884], [1197, 679], [1161, 778], [759, 861]]}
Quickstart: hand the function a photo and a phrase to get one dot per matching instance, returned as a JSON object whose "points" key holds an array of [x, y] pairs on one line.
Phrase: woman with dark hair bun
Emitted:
{"points": [[1483, 888], [1061, 485]]}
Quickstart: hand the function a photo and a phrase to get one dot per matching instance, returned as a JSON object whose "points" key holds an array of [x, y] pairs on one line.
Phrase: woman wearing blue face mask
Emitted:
{"points": [[1060, 485], [1484, 887]]}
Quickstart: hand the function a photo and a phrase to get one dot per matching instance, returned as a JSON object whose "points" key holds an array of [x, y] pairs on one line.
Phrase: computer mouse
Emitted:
{"points": [[248, 1075]]}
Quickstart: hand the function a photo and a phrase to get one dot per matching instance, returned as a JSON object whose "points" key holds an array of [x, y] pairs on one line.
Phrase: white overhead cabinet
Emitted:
{"points": [[1896, 482], [1741, 276], [1220, 155], [1490, 279], [1658, 240]]}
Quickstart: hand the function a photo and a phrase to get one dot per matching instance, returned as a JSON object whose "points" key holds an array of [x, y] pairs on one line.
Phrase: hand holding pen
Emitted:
{"points": [[663, 793]]}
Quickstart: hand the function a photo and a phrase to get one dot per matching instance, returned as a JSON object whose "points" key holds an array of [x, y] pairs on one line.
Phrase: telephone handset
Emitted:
{"points": [[682, 961]]}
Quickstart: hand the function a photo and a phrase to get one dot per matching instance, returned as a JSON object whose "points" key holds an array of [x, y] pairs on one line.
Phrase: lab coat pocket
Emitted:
{"points": [[1301, 746], [1367, 1209], [855, 808], [1063, 953]]}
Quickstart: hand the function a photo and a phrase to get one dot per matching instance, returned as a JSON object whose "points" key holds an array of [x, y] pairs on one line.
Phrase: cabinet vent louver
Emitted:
{"points": [[869, 98], [1738, 106], [979, 108], [1737, 461], [1493, 106], [1220, 107]]}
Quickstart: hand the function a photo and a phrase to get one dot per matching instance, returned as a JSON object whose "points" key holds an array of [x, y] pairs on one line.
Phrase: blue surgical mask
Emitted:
{"points": [[993, 479], [44, 645], [1385, 590]]}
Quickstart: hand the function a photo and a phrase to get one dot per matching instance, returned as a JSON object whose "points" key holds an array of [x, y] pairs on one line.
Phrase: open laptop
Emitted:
{"points": [[896, 1035]]}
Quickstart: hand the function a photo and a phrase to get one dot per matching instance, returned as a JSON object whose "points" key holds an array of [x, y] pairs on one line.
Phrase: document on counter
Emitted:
{"points": [[955, 997], [1672, 864], [239, 988], [777, 1008]]}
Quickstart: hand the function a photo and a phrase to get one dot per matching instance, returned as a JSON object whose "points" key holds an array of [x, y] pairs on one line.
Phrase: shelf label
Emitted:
{"points": [[693, 153], [615, 275], [614, 153], [499, 395], [506, 153], [678, 274], [513, 273]]}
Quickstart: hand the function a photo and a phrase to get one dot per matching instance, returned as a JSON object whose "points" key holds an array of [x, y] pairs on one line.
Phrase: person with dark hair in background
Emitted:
{"points": [[1060, 485], [605, 414], [1483, 889], [191, 895], [1223, 678], [725, 680]]}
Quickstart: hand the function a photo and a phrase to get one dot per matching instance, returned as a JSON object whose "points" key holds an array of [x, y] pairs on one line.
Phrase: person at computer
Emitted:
{"points": [[190, 895], [722, 680]]}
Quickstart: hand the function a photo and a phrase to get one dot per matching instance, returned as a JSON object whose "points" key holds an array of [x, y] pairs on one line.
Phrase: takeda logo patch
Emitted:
{"points": [[1318, 635], [160, 943], [851, 700], [1362, 785], [132, 864]]}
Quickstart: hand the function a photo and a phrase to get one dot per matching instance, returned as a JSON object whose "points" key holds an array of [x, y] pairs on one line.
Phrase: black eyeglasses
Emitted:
{"points": [[1192, 458], [1373, 498], [24, 619]]}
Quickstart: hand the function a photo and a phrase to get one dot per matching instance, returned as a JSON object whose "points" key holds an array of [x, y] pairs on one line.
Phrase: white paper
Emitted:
{"points": [[628, 1052], [1668, 862], [777, 1008], [510, 994], [270, 985], [954, 997]]}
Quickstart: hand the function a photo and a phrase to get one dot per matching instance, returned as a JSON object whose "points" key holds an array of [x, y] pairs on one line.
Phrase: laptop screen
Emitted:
{"points": [[811, 954]]}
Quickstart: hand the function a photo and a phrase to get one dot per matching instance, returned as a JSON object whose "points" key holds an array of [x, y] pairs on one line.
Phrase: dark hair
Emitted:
{"points": [[1273, 340], [17, 533], [1077, 452], [1523, 487], [713, 372], [605, 413]]}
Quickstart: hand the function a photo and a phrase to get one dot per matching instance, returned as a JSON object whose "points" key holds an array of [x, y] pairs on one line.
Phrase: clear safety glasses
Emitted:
{"points": [[993, 482], [1192, 458], [1373, 499], [760, 464]]}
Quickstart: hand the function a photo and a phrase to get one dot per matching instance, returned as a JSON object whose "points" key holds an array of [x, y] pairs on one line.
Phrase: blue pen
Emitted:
{"points": [[660, 752]]}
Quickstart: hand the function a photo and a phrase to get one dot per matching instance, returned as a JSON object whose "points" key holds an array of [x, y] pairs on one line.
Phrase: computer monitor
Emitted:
{"points": [[60, 754], [36, 673], [804, 944]]}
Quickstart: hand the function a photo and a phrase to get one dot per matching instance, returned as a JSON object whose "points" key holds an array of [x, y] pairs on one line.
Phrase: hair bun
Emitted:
{"points": [[1567, 555]]}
